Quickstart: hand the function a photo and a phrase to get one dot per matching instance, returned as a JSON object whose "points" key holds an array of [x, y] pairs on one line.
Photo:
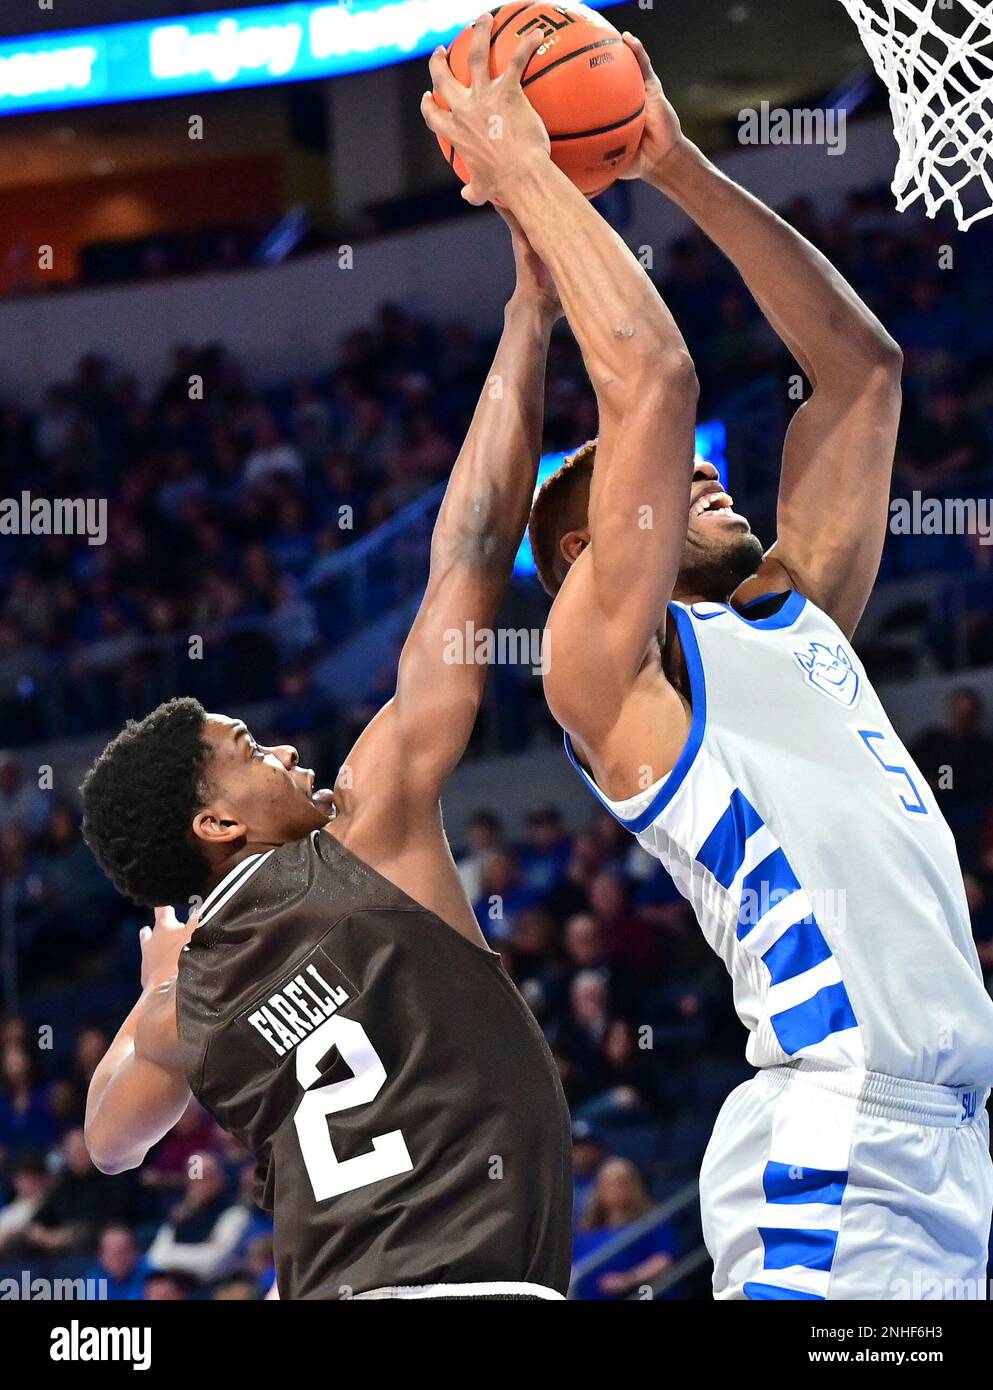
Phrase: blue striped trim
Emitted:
{"points": [[723, 851], [788, 1245], [826, 1012], [762, 598], [759, 1291], [765, 885], [686, 759], [793, 605], [787, 1182], [800, 948]]}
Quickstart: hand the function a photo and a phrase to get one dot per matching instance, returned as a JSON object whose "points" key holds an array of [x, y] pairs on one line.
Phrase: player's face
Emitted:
{"points": [[720, 550], [264, 789]]}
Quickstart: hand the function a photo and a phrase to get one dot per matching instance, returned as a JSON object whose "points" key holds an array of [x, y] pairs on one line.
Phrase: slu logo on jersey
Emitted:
{"points": [[830, 671]]}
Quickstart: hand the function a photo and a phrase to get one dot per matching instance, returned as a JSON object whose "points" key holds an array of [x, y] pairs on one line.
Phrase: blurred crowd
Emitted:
{"points": [[226, 500]]}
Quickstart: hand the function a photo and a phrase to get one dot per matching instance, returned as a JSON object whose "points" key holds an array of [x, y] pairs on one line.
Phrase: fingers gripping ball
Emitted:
{"points": [[583, 81]]}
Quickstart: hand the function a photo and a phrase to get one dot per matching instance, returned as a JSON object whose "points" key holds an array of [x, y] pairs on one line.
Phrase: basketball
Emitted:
{"points": [[583, 81]]}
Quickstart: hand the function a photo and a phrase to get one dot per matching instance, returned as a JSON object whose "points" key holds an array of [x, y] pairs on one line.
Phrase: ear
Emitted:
{"points": [[572, 545], [214, 827]]}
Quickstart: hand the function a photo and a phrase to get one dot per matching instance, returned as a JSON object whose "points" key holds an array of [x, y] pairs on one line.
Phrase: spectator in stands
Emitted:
{"points": [[91, 1044], [74, 907], [930, 327], [204, 1229], [169, 1287], [534, 962], [81, 1203], [957, 760], [618, 1205], [502, 895], [120, 1265], [302, 707], [587, 859], [26, 1121], [976, 603], [292, 542], [588, 1019], [21, 801], [238, 1289], [588, 1153], [546, 854], [626, 1065], [947, 448], [31, 1183], [584, 942], [261, 1264], [55, 423], [484, 833], [170, 1163], [271, 457], [312, 425], [631, 943], [182, 486], [739, 346]]}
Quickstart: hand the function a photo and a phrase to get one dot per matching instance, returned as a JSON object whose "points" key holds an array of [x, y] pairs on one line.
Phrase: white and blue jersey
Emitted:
{"points": [[814, 854]]}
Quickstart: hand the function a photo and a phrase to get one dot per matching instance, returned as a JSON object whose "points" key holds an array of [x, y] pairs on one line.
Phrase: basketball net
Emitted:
{"points": [[936, 58]]}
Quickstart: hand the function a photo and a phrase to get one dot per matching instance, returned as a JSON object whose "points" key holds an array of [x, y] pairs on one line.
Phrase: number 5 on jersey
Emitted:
{"points": [[902, 784], [329, 1176]]}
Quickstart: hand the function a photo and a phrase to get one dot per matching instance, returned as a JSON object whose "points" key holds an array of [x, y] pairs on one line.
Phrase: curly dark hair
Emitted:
{"points": [[562, 505], [139, 799]]}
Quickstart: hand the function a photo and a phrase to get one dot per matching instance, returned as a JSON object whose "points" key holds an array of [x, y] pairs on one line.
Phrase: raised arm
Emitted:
{"points": [[138, 1091], [476, 536], [614, 598], [839, 450], [388, 789]]}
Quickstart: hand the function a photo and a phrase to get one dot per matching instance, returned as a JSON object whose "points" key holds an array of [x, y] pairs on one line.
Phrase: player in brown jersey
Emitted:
{"points": [[338, 1008]]}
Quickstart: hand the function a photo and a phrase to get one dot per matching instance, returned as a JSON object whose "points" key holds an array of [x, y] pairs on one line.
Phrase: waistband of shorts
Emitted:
{"points": [[501, 1289], [889, 1097]]}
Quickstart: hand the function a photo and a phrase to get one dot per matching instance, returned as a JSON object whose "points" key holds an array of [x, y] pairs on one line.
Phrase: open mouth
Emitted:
{"points": [[714, 506]]}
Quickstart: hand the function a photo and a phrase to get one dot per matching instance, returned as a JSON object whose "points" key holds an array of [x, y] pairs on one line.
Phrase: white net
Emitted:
{"points": [[936, 58]]}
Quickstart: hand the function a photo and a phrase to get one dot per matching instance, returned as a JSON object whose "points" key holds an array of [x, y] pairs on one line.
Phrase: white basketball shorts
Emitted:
{"points": [[829, 1183]]}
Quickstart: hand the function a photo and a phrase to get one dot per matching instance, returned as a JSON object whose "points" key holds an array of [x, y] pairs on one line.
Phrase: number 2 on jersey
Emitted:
{"points": [[330, 1176]]}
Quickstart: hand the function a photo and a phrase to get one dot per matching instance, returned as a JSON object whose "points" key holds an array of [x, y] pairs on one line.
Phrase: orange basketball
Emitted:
{"points": [[584, 82]]}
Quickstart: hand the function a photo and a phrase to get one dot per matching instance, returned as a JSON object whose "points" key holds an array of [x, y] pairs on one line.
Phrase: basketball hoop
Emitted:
{"points": [[936, 58]]}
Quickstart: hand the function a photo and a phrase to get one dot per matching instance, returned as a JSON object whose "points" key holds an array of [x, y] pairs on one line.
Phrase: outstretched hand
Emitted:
{"points": [[491, 123], [662, 131], [161, 945]]}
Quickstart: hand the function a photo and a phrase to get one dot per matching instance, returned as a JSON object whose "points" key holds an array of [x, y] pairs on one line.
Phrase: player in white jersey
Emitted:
{"points": [[713, 702]]}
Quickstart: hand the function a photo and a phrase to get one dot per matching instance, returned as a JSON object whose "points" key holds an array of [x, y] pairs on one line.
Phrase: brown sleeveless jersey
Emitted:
{"points": [[395, 1089]]}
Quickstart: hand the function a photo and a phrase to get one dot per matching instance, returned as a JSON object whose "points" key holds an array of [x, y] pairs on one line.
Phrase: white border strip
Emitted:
{"points": [[254, 864], [461, 1291]]}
